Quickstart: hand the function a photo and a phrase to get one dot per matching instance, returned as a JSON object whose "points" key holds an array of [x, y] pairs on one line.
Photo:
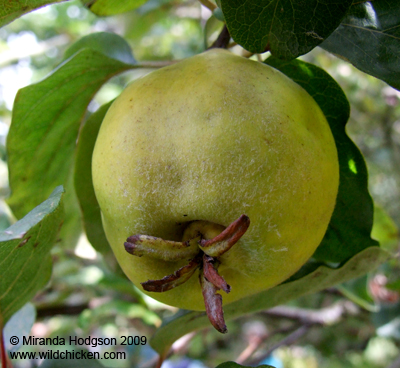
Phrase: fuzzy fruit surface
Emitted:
{"points": [[210, 138]]}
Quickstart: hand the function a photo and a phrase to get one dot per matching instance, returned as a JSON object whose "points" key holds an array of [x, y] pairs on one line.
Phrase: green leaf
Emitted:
{"points": [[72, 226], [109, 44], [357, 291], [112, 7], [212, 29], [288, 28], [235, 365], [25, 262], [13, 9], [45, 125], [5, 216], [322, 278], [217, 13], [83, 181], [350, 227], [385, 230], [369, 38]]}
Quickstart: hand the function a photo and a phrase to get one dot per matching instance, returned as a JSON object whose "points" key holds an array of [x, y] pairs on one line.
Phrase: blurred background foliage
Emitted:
{"points": [[85, 298]]}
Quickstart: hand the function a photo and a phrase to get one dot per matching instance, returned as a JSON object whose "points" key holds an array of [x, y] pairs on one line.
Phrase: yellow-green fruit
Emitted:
{"points": [[210, 138]]}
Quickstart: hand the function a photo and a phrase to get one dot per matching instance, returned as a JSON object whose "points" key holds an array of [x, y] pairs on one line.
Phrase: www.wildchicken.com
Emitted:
{"points": [[67, 355]]}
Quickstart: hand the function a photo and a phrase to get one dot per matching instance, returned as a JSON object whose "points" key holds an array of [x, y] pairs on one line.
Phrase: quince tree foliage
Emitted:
{"points": [[53, 135]]}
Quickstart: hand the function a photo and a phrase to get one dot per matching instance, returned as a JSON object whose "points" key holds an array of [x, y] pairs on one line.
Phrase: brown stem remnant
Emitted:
{"points": [[166, 250], [213, 304], [171, 281], [220, 244], [212, 275], [204, 256]]}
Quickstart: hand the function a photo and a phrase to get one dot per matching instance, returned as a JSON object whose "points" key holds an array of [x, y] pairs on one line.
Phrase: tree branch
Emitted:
{"points": [[306, 317], [208, 4], [288, 340], [180, 346], [61, 309], [325, 316], [395, 363]]}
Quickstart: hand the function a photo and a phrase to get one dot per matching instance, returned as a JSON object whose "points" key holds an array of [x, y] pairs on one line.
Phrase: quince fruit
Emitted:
{"points": [[216, 168]]}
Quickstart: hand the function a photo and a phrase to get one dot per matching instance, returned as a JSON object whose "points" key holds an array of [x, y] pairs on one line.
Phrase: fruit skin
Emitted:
{"points": [[210, 138]]}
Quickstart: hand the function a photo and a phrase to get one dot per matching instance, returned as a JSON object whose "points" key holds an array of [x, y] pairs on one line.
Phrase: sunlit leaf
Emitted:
{"points": [[46, 120], [25, 262]]}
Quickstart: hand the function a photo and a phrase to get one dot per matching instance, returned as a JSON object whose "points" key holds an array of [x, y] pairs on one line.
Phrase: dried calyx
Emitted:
{"points": [[203, 242]]}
